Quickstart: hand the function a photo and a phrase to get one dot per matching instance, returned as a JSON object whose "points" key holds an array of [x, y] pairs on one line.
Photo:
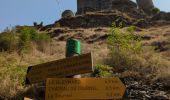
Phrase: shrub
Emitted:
{"points": [[36, 25], [102, 71], [8, 41], [26, 35], [155, 11], [43, 41], [29, 36], [124, 41], [131, 29], [127, 53], [124, 47]]}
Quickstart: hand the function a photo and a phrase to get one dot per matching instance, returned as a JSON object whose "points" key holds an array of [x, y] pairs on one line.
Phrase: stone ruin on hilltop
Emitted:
{"points": [[84, 6], [101, 13]]}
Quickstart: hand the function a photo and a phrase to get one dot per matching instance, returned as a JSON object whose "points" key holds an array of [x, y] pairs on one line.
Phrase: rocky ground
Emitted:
{"points": [[142, 88]]}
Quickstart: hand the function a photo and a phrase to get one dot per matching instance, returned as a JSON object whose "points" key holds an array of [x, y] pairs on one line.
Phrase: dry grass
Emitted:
{"points": [[11, 74], [13, 66], [148, 63]]}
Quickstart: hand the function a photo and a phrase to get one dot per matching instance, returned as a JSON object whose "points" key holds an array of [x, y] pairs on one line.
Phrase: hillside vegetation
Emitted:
{"points": [[141, 54], [127, 51]]}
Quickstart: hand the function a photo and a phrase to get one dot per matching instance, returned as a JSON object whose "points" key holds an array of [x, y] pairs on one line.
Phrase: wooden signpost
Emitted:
{"points": [[84, 89], [60, 88], [60, 68], [25, 98]]}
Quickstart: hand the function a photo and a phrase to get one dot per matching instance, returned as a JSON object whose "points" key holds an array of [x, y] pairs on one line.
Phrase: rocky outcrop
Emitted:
{"points": [[94, 20], [84, 6], [142, 88]]}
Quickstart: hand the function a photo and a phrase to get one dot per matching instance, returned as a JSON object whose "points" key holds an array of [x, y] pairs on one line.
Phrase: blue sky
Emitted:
{"points": [[25, 12]]}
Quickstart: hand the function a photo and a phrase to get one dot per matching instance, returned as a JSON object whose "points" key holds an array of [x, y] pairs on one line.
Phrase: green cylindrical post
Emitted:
{"points": [[73, 47]]}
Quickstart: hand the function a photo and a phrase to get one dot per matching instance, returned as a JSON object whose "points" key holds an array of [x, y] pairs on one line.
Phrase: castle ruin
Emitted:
{"points": [[84, 6]]}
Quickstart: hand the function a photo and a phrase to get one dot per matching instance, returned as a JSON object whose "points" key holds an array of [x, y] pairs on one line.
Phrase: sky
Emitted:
{"points": [[25, 12]]}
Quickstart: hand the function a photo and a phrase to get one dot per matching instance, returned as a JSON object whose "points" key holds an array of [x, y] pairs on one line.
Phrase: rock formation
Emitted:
{"points": [[67, 13], [84, 6]]}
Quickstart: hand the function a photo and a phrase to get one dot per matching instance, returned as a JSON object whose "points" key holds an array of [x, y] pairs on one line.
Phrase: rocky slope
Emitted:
{"points": [[139, 85]]}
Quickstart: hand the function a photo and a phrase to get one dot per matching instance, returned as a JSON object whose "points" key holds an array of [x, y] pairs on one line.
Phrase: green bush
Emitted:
{"points": [[124, 41], [127, 53], [155, 11], [23, 40], [29, 36], [131, 29], [124, 47], [43, 41], [8, 41], [26, 35], [102, 71]]}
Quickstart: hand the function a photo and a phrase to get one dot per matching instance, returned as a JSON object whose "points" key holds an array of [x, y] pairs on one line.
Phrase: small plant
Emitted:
{"points": [[102, 71], [155, 11], [141, 21], [43, 41], [131, 29], [35, 24], [8, 41], [57, 25]]}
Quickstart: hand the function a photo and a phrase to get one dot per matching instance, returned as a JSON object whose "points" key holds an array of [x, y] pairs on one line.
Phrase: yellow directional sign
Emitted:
{"points": [[84, 89], [60, 68], [27, 98]]}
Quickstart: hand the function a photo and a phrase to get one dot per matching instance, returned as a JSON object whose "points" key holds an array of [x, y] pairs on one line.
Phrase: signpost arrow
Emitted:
{"points": [[25, 98], [84, 89], [60, 68]]}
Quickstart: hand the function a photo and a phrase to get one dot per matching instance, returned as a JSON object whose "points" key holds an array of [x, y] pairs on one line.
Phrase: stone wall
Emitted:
{"points": [[84, 6], [105, 4]]}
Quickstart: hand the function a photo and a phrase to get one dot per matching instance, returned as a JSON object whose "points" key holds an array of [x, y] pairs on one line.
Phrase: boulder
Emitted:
{"points": [[67, 13]]}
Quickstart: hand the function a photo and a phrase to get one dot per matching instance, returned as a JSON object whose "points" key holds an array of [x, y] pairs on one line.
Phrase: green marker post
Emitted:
{"points": [[73, 48]]}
